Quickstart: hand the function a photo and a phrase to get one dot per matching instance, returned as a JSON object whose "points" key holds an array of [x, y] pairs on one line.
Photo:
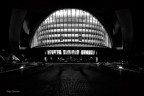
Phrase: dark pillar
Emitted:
{"points": [[125, 19], [16, 22]]}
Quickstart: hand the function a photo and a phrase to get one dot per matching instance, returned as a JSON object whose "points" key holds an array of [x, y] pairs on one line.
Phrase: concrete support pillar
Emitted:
{"points": [[16, 22], [125, 19]]}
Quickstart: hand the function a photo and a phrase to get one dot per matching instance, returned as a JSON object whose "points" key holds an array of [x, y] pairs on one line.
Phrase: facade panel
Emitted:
{"points": [[71, 25]]}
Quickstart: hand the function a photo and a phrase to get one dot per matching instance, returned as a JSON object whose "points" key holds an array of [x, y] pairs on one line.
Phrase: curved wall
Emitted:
{"points": [[71, 27]]}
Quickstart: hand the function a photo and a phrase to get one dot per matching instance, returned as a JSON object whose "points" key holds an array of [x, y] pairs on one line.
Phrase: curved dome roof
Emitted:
{"points": [[71, 27]]}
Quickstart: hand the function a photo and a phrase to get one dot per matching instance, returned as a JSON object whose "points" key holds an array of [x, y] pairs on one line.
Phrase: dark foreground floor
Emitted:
{"points": [[71, 80]]}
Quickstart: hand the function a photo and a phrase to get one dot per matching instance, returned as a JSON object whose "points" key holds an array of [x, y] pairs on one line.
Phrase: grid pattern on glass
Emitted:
{"points": [[69, 52], [73, 45], [71, 25], [52, 52], [87, 52]]}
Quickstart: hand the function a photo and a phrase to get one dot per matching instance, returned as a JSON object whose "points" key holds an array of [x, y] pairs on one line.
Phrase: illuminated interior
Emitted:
{"points": [[71, 27], [70, 52]]}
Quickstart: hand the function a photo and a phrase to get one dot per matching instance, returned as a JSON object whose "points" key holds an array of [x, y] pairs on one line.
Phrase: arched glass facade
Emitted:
{"points": [[71, 27]]}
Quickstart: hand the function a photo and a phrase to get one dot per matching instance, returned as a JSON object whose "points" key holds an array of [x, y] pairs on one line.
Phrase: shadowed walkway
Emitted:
{"points": [[70, 80]]}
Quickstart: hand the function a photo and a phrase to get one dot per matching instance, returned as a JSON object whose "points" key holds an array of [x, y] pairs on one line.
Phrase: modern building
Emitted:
{"points": [[71, 48], [71, 27]]}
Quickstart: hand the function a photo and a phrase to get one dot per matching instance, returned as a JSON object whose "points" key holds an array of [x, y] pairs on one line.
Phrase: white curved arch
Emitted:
{"points": [[72, 22]]}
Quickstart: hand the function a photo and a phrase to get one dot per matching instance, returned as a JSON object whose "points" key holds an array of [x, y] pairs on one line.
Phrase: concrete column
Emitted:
{"points": [[16, 22], [125, 19]]}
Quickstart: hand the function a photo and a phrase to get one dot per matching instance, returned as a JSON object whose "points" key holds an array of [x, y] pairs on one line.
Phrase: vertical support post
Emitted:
{"points": [[16, 22], [125, 19]]}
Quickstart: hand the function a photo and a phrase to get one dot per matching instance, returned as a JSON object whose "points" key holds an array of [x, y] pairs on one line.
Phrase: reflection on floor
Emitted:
{"points": [[70, 80]]}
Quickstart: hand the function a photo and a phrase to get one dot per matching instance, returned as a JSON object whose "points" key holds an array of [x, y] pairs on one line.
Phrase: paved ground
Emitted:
{"points": [[70, 80]]}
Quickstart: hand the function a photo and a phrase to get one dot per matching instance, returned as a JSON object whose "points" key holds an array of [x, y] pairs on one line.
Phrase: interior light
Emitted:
{"points": [[22, 67], [120, 67]]}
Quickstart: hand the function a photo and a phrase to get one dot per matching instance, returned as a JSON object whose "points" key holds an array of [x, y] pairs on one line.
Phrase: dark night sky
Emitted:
{"points": [[35, 7]]}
